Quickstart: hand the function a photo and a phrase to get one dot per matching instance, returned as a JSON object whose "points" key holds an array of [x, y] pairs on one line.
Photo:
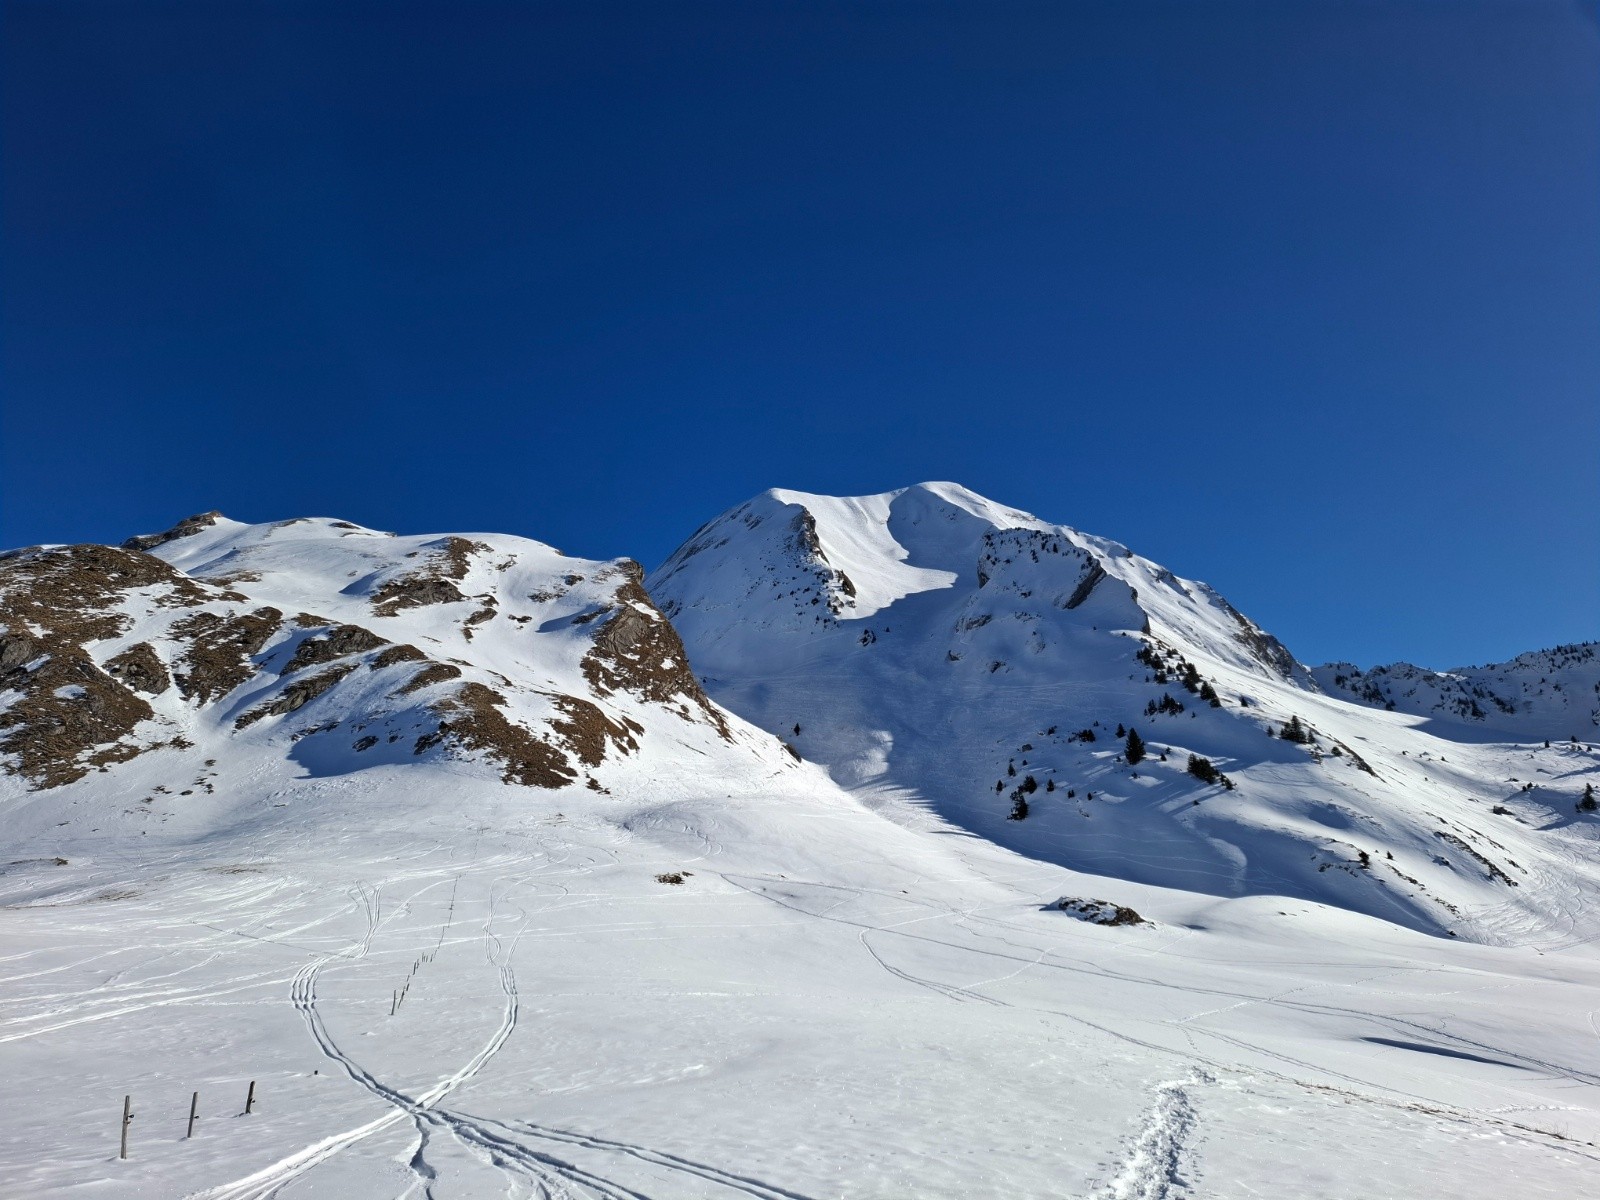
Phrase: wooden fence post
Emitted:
{"points": [[194, 1111], [127, 1115], [250, 1098]]}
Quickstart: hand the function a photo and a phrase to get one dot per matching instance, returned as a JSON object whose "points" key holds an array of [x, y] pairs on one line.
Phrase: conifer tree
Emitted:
{"points": [[1135, 747]]}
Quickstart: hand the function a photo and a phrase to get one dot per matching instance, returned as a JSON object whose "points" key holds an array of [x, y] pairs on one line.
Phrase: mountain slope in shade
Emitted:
{"points": [[934, 643]]}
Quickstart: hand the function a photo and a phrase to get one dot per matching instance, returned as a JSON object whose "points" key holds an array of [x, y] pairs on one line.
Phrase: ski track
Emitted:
{"points": [[500, 1144]]}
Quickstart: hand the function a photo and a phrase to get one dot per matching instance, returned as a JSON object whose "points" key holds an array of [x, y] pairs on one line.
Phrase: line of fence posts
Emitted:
{"points": [[194, 1115]]}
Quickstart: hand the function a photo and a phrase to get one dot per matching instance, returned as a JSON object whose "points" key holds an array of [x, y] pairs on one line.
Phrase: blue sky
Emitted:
{"points": [[1302, 299]]}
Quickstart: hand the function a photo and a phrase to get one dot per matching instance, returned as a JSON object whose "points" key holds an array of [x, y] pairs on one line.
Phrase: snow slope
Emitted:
{"points": [[686, 965], [996, 657]]}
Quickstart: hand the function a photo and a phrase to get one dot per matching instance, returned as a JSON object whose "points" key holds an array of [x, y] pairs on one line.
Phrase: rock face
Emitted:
{"points": [[495, 652]]}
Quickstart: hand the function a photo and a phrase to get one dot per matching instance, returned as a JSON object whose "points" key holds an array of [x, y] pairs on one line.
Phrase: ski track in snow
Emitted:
{"points": [[503, 1145]]}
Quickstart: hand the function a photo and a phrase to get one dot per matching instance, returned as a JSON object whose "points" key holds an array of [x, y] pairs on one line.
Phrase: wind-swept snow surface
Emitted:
{"points": [[663, 957]]}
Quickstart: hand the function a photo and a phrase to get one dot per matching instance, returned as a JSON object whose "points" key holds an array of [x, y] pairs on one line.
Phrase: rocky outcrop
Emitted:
{"points": [[471, 721], [140, 668], [185, 527], [339, 642], [70, 716], [433, 583], [638, 651], [298, 694], [219, 651]]}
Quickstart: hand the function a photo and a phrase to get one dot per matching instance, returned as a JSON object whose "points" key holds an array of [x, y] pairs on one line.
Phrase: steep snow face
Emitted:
{"points": [[932, 643], [793, 570], [318, 647], [1544, 694]]}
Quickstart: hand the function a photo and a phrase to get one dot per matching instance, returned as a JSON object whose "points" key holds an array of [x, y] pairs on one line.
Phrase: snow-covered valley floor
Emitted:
{"points": [[845, 997]]}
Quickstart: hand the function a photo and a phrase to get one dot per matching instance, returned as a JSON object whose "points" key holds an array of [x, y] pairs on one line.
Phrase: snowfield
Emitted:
{"points": [[645, 951]]}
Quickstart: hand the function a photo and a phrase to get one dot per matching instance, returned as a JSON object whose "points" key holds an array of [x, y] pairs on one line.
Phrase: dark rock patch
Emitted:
{"points": [[185, 527], [342, 640], [139, 668], [429, 675], [220, 649], [403, 653], [433, 584], [588, 731], [297, 695], [71, 718], [1097, 912], [638, 651], [472, 721]]}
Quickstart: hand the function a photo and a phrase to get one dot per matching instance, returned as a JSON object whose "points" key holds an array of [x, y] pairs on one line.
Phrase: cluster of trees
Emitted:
{"points": [[1206, 771], [1295, 731], [1165, 705], [1187, 673]]}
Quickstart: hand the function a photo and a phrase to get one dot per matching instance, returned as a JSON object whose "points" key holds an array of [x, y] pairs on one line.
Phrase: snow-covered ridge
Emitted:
{"points": [[1550, 694], [331, 648], [930, 641]]}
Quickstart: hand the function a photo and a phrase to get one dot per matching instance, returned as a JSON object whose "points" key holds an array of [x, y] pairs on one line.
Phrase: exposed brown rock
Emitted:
{"points": [[429, 675], [587, 730], [182, 529], [398, 654], [638, 651], [432, 583], [17, 649], [340, 641], [297, 695], [472, 721], [71, 717], [139, 668], [71, 592], [486, 613], [218, 658]]}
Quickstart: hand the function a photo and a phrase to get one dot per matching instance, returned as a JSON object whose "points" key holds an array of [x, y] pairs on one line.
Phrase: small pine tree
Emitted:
{"points": [[1019, 807], [1295, 732], [1202, 769], [1588, 803], [1135, 747], [1050, 785], [1121, 732]]}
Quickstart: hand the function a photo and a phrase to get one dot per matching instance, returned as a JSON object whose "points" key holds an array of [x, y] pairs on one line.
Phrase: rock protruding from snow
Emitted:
{"points": [[1098, 912]]}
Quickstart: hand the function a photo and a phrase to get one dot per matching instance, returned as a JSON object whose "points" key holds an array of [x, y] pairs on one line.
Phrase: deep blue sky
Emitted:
{"points": [[1299, 298]]}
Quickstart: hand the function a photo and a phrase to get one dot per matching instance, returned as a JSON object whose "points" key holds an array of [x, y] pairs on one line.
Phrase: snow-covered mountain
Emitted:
{"points": [[438, 848], [219, 650], [990, 663], [1543, 694]]}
